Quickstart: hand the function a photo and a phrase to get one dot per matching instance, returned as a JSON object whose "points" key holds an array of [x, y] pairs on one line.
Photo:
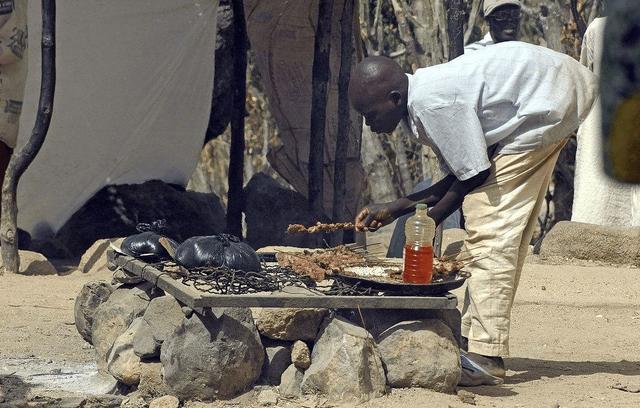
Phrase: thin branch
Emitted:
{"points": [[405, 34], [320, 79], [473, 15], [236, 151], [344, 116], [20, 160]]}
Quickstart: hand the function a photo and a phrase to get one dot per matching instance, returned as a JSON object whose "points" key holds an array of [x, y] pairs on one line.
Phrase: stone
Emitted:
{"points": [[151, 383], [94, 259], [467, 397], [134, 401], [270, 208], [168, 401], [376, 321], [277, 359], [122, 363], [113, 317], [92, 295], [346, 364], [161, 318], [102, 401], [198, 404], [115, 211], [615, 245], [300, 355], [34, 263], [267, 398], [291, 382], [289, 324], [421, 353], [121, 276], [213, 355]]}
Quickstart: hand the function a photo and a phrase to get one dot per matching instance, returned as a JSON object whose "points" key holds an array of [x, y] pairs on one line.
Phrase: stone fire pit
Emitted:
{"points": [[155, 346]]}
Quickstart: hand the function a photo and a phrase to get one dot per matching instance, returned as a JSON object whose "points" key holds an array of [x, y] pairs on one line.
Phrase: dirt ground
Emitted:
{"points": [[575, 338]]}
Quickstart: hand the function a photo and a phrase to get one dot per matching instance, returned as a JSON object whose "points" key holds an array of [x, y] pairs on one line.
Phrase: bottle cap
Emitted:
{"points": [[421, 207]]}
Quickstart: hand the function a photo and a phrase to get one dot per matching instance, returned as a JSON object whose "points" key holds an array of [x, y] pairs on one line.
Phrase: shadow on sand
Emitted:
{"points": [[528, 369]]}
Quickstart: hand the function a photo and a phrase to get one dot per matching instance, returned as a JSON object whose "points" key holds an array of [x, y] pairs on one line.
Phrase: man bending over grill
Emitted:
{"points": [[497, 118]]}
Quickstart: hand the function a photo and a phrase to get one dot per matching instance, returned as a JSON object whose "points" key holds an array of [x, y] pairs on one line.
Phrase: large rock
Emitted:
{"points": [[115, 315], [122, 363], [92, 295], [376, 321], [277, 359], [115, 211], [34, 263], [216, 355], [618, 245], [94, 259], [289, 324], [270, 208], [291, 382], [420, 353], [161, 318], [346, 365]]}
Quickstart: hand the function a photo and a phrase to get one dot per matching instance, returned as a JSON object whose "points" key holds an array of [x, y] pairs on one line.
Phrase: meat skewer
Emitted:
{"points": [[320, 227]]}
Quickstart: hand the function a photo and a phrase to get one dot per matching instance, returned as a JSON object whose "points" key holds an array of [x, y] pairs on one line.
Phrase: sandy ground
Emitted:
{"points": [[575, 336]]}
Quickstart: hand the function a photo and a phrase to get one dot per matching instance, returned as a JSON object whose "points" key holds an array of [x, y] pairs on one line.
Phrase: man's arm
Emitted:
{"points": [[445, 197]]}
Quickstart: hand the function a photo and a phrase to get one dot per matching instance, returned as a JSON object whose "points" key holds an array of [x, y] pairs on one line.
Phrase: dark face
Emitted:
{"points": [[382, 113], [504, 23]]}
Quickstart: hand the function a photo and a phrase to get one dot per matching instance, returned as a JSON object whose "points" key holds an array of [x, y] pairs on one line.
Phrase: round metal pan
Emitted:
{"points": [[406, 289]]}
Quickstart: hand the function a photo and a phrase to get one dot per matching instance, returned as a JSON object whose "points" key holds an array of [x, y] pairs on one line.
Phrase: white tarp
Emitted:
{"points": [[132, 102]]}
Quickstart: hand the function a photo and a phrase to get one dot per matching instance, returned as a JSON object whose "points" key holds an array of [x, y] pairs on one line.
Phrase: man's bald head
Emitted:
{"points": [[378, 90]]}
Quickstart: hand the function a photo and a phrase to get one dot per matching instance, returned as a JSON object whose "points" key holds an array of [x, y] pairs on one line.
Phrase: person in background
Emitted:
{"points": [[13, 73], [503, 17]]}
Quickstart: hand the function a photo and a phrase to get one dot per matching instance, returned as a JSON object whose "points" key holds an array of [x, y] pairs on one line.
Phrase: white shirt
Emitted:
{"points": [[479, 45], [517, 95]]}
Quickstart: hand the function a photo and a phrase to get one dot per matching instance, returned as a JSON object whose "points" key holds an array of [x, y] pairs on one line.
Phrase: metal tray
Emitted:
{"points": [[406, 289]]}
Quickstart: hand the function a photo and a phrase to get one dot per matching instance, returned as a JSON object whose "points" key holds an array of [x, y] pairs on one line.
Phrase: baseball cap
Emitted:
{"points": [[490, 5]]}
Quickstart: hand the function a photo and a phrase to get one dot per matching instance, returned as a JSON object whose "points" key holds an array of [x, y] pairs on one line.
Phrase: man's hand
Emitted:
{"points": [[374, 216]]}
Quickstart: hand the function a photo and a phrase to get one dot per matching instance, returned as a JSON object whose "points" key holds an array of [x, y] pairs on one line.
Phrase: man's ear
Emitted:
{"points": [[396, 97]]}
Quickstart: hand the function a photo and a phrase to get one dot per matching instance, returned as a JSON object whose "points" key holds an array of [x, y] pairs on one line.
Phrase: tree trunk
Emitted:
{"points": [[20, 160], [236, 150], [321, 72], [344, 118]]}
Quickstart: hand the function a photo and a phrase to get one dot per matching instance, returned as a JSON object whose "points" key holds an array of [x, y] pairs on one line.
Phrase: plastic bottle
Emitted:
{"points": [[418, 250]]}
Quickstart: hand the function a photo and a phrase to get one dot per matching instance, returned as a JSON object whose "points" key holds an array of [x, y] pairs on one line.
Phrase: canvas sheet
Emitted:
{"points": [[282, 35], [132, 102]]}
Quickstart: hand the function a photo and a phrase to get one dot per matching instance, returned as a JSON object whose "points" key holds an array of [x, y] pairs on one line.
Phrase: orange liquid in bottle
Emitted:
{"points": [[418, 264]]}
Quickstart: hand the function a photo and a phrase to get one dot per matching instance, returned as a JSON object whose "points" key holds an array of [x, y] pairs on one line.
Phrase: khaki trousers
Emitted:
{"points": [[500, 218]]}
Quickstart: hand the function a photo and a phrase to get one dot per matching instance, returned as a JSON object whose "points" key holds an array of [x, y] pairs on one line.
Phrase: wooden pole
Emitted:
{"points": [[455, 27], [235, 199], [455, 44], [321, 73], [344, 116], [20, 160]]}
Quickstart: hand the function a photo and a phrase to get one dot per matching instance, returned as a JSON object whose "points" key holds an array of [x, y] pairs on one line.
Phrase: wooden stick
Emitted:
{"points": [[344, 119], [320, 79], [20, 160], [236, 150]]}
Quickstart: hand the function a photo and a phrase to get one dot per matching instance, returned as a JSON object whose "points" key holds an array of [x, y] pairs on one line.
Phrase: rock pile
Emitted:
{"points": [[154, 346]]}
